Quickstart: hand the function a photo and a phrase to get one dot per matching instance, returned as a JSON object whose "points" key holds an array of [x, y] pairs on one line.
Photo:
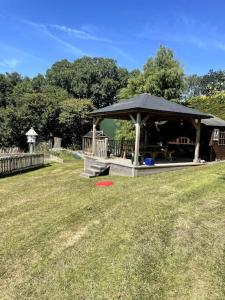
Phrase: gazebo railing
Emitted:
{"points": [[115, 147], [87, 144]]}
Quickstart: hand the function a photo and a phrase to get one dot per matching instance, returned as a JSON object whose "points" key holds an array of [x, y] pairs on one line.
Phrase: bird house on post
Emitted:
{"points": [[31, 139]]}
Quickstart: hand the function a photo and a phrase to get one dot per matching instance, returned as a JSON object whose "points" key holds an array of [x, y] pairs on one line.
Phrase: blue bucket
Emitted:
{"points": [[149, 161]]}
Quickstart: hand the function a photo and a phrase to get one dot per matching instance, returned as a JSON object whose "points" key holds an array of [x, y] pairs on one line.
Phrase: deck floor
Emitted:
{"points": [[158, 163], [124, 167]]}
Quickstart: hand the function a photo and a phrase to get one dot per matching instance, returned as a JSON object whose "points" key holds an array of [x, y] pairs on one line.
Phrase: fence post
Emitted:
{"points": [[121, 147]]}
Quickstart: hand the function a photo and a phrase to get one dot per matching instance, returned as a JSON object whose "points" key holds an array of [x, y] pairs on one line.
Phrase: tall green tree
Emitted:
{"points": [[162, 76]]}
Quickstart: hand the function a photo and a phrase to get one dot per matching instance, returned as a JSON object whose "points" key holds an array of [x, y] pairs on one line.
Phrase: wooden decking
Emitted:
{"points": [[124, 167]]}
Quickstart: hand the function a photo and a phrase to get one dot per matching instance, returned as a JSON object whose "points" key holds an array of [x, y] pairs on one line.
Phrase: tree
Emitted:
{"points": [[95, 78], [135, 85], [212, 82], [9, 131], [162, 76], [212, 104], [8, 82], [74, 120], [192, 86], [209, 84], [61, 75], [28, 108], [125, 130]]}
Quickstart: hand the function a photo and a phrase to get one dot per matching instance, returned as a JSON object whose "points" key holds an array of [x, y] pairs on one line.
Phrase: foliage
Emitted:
{"points": [[209, 84], [213, 82], [8, 82], [66, 155], [9, 127], [134, 86], [94, 78], [125, 131], [213, 104], [73, 118], [192, 86], [43, 147], [162, 76]]}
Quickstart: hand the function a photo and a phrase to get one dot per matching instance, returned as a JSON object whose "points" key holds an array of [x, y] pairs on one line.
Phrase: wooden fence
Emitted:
{"points": [[16, 163]]}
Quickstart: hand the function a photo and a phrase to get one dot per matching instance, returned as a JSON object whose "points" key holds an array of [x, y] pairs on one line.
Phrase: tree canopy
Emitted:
{"points": [[95, 78], [57, 104], [212, 104]]}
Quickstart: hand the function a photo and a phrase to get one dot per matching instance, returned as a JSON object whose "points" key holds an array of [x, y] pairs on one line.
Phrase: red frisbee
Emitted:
{"points": [[104, 183]]}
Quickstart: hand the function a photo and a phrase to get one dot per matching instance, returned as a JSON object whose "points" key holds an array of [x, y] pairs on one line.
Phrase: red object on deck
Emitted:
{"points": [[104, 183]]}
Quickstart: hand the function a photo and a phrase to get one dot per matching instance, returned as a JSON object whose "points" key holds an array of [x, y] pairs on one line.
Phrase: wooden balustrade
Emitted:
{"points": [[16, 163], [115, 147], [87, 144]]}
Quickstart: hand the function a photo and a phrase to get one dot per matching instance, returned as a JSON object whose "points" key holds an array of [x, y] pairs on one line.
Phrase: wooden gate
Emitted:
{"points": [[101, 148]]}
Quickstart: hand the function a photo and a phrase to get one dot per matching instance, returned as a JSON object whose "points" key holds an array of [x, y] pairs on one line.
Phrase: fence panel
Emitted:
{"points": [[101, 148], [87, 144], [15, 163]]}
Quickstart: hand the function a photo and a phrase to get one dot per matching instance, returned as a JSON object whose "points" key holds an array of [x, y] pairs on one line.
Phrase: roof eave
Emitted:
{"points": [[156, 112]]}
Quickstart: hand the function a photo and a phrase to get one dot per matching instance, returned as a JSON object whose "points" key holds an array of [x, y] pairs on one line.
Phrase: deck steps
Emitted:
{"points": [[96, 169]]}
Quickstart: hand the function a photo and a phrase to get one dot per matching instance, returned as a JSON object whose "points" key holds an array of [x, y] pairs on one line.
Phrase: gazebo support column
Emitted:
{"points": [[95, 123], [197, 125], [137, 139]]}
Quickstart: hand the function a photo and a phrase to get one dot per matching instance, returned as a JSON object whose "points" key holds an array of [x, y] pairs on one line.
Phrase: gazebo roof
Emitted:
{"points": [[214, 122], [146, 103]]}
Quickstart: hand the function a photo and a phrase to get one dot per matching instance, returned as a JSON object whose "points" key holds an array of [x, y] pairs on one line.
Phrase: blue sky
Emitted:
{"points": [[35, 34]]}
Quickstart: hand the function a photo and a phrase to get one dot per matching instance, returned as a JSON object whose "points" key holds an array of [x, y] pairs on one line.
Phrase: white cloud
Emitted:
{"points": [[80, 34], [66, 46], [9, 63]]}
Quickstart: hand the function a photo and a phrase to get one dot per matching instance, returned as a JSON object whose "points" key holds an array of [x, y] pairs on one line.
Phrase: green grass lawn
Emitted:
{"points": [[155, 237]]}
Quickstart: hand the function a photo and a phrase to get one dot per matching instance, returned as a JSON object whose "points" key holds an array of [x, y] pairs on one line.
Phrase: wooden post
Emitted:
{"points": [[137, 139], [106, 146], [94, 138], [95, 123], [197, 125]]}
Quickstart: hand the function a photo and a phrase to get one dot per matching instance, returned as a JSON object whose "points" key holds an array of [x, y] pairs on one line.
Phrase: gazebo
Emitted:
{"points": [[146, 109]]}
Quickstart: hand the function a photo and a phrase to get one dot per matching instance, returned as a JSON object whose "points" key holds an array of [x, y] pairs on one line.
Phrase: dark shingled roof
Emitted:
{"points": [[214, 122], [148, 104]]}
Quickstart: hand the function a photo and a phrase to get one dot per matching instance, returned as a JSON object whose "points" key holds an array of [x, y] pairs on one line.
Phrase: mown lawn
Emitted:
{"points": [[156, 237]]}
